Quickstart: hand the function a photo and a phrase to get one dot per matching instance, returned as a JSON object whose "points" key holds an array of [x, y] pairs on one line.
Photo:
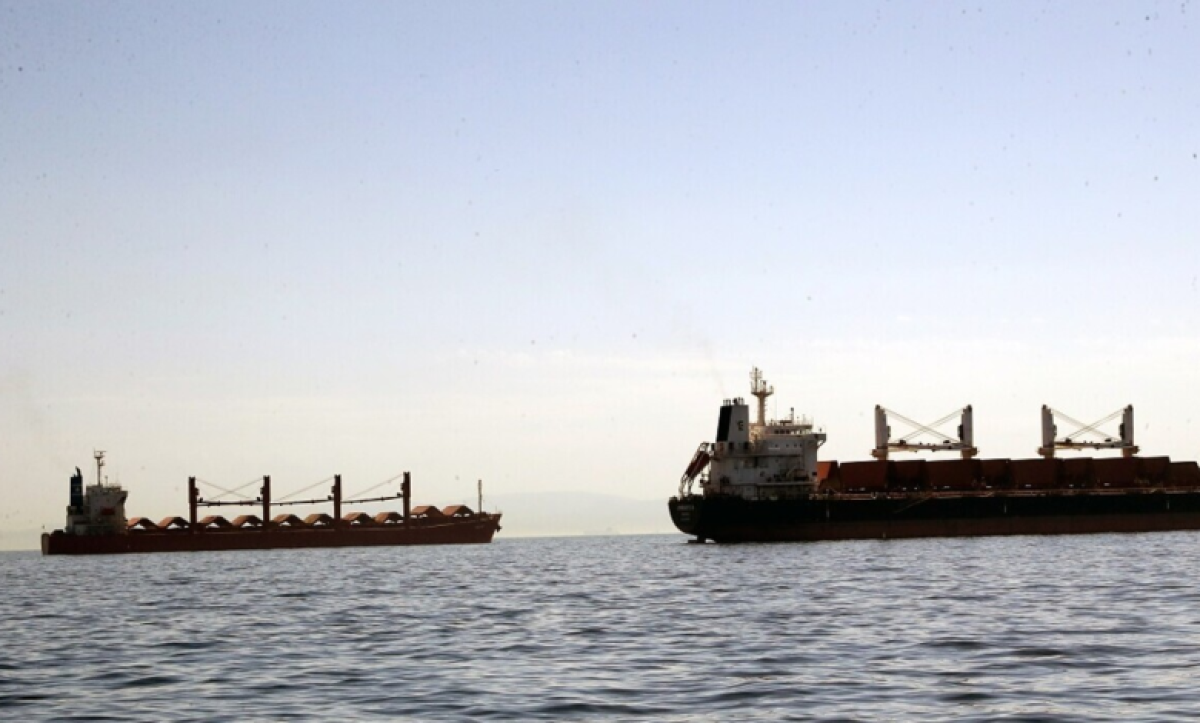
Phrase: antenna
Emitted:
{"points": [[479, 490], [99, 455]]}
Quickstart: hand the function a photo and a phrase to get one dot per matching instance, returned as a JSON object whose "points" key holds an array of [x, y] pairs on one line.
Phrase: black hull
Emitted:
{"points": [[846, 517], [473, 531]]}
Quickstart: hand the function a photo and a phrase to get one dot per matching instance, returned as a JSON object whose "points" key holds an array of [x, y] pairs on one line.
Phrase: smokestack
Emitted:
{"points": [[77, 490]]}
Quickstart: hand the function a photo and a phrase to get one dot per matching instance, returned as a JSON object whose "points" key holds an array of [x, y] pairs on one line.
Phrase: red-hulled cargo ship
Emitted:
{"points": [[97, 525], [760, 481]]}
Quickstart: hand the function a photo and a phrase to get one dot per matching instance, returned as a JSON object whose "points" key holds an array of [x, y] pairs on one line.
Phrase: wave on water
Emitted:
{"points": [[1087, 628]]}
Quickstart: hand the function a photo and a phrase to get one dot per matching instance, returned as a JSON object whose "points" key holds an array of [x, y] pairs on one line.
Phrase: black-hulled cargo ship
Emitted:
{"points": [[761, 481]]}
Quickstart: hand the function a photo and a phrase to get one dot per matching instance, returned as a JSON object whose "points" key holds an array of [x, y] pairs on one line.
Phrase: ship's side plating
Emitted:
{"points": [[836, 517], [762, 481]]}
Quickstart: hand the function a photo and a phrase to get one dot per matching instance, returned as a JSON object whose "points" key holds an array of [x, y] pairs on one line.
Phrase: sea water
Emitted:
{"points": [[1086, 628]]}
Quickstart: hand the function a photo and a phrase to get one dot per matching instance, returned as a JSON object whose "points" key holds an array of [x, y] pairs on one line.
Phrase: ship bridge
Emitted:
{"points": [[760, 459]]}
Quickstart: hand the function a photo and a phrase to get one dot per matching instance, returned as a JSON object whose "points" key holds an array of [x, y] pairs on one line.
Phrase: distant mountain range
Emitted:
{"points": [[28, 539], [531, 514]]}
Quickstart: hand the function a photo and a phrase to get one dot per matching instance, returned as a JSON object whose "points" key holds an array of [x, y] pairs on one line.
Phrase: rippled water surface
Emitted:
{"points": [[1092, 628]]}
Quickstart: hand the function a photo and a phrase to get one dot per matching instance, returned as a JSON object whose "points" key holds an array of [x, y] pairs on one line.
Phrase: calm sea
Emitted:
{"points": [[1093, 628]]}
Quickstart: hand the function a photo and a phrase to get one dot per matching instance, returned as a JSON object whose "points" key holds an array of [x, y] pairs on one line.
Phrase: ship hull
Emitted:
{"points": [[473, 531], [733, 519]]}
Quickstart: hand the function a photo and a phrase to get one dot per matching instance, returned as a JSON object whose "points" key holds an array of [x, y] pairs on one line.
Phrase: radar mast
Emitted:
{"points": [[99, 455], [760, 389]]}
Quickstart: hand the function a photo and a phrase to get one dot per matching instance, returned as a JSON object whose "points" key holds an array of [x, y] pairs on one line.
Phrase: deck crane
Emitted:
{"points": [[963, 441], [1079, 439]]}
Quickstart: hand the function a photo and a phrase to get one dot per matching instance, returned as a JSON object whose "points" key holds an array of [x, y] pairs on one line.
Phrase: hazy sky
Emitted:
{"points": [[539, 242]]}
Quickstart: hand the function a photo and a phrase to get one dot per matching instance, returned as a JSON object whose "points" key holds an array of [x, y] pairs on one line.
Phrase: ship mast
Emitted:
{"points": [[760, 389], [99, 455]]}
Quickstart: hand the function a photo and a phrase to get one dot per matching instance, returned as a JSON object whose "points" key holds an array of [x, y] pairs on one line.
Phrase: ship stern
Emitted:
{"points": [[685, 514]]}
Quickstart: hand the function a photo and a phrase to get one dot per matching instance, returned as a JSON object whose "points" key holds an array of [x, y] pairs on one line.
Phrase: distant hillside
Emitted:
{"points": [[30, 539], [578, 513]]}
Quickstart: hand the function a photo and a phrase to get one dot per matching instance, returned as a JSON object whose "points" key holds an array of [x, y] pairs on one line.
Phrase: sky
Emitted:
{"points": [[538, 243]]}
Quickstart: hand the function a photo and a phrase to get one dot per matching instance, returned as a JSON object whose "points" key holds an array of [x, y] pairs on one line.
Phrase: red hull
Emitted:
{"points": [[468, 531]]}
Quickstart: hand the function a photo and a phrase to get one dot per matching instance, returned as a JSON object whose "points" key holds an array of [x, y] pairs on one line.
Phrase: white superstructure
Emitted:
{"points": [[761, 459], [98, 511]]}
